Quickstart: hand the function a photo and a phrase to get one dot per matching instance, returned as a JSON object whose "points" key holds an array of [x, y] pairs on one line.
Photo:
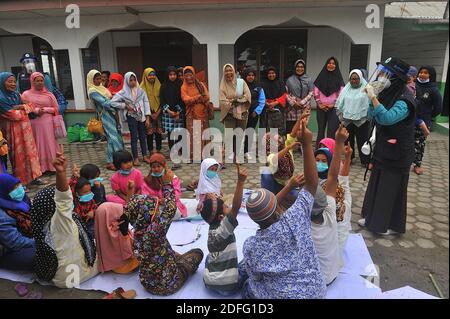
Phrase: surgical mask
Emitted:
{"points": [[158, 174], [87, 197], [321, 167], [18, 193], [98, 179], [125, 172], [423, 81], [211, 174]]}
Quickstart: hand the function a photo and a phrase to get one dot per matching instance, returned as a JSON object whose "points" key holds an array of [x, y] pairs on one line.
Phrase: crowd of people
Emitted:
{"points": [[303, 217]]}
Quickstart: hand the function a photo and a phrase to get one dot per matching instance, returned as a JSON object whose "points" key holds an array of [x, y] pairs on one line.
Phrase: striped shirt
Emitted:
{"points": [[221, 270]]}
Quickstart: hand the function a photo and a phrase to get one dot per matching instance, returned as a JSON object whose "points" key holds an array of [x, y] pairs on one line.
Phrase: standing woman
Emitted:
{"points": [[151, 85], [274, 114], [393, 112], [135, 109], [429, 105], [101, 99], [172, 105], [18, 132], [196, 98], [45, 107], [234, 100], [258, 102], [328, 85], [300, 89], [352, 107]]}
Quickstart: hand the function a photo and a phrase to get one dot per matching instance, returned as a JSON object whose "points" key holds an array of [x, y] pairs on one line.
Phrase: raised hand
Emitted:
{"points": [[294, 145], [348, 151], [341, 134], [297, 180], [60, 162], [242, 173], [305, 135], [75, 170]]}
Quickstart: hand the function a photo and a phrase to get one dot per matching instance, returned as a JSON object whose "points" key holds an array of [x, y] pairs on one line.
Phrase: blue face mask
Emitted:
{"points": [[18, 193], [125, 172], [211, 174], [98, 179], [87, 197], [159, 174], [322, 167]]}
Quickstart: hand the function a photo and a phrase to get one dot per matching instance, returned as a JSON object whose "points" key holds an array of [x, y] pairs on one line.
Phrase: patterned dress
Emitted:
{"points": [[161, 270]]}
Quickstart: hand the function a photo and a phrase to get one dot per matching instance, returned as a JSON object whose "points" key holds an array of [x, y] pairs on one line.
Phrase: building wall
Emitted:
{"points": [[12, 49], [417, 47]]}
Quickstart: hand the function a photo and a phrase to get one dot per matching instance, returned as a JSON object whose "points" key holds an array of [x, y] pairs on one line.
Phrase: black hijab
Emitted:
{"points": [[273, 89], [254, 84], [329, 82], [171, 90], [432, 71], [392, 94]]}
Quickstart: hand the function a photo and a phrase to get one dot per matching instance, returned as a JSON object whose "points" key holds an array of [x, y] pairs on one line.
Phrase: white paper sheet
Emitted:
{"points": [[406, 292], [349, 286], [357, 260], [182, 233]]}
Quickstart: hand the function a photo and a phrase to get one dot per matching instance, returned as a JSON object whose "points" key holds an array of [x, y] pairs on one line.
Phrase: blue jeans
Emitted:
{"points": [[22, 259], [137, 131]]}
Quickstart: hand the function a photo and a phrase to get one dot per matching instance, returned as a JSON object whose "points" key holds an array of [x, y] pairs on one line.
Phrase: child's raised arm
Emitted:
{"points": [[345, 169], [333, 172], [309, 162], [237, 198], [60, 164]]}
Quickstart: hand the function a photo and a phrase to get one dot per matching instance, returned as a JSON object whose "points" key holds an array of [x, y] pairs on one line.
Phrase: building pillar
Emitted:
{"points": [[213, 72], [78, 80], [375, 49]]}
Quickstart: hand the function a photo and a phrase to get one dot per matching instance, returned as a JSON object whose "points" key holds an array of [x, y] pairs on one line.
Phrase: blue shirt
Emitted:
{"points": [[10, 236], [281, 261], [261, 101], [398, 112]]}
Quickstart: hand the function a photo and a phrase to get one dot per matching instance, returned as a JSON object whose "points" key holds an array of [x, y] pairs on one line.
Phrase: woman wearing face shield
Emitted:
{"points": [[392, 109]]}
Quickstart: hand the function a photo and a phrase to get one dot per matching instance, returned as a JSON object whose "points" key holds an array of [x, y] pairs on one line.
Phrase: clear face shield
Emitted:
{"points": [[29, 65], [380, 79]]}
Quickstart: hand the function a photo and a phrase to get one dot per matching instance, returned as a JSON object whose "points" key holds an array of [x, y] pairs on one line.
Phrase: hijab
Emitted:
{"points": [[285, 163], [129, 94], [432, 71], [329, 82], [273, 88], [7, 184], [40, 97], [8, 99], [171, 90], [92, 88], [329, 143], [114, 249], [205, 184], [117, 77], [197, 83], [353, 102], [254, 84], [152, 181], [298, 85], [392, 94], [152, 90]]}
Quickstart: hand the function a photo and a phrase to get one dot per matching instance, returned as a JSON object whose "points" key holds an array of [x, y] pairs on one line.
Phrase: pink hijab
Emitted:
{"points": [[113, 249], [329, 143], [40, 98]]}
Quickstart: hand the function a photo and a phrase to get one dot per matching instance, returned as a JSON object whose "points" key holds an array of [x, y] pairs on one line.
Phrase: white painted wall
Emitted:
{"points": [[324, 43], [12, 49]]}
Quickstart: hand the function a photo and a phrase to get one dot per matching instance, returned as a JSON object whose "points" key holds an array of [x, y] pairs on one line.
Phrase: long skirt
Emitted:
{"points": [[113, 137], [196, 135], [385, 201], [46, 143]]}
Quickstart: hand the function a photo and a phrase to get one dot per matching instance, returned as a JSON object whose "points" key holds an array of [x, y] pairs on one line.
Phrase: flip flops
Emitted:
{"points": [[120, 293]]}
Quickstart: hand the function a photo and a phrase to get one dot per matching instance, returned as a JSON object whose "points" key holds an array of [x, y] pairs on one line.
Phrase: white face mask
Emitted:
{"points": [[423, 81]]}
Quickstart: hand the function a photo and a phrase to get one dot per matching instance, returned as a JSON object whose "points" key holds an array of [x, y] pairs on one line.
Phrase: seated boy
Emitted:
{"points": [[221, 269], [280, 260]]}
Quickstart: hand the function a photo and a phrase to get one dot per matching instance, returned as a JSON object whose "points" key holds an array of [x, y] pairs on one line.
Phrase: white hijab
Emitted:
{"points": [[205, 184]]}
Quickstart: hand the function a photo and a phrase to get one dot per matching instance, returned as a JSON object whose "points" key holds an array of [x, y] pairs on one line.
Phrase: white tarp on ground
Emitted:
{"points": [[185, 235]]}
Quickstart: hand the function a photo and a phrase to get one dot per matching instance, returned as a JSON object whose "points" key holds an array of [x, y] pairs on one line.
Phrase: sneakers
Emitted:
{"points": [[362, 222], [389, 232]]}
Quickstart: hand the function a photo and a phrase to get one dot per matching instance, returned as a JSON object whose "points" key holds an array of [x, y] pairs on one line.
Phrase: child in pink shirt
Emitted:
{"points": [[125, 178], [153, 182]]}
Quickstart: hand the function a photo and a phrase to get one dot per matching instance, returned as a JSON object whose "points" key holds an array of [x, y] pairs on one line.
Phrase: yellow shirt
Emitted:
{"points": [[72, 266]]}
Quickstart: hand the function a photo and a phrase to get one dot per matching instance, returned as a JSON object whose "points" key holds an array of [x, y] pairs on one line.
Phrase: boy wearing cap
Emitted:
{"points": [[280, 260], [221, 268]]}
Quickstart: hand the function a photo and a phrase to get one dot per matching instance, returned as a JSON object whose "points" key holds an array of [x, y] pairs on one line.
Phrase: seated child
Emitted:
{"points": [[280, 261], [88, 193], [281, 164], [209, 181], [324, 226], [329, 143], [221, 266], [153, 182], [123, 162]]}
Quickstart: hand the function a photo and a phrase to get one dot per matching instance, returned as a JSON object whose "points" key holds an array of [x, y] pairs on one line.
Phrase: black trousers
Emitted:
{"points": [[251, 123], [362, 135], [326, 120], [158, 140], [137, 132]]}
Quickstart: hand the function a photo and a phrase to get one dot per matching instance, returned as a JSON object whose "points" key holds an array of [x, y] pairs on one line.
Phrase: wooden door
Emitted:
{"points": [[130, 59]]}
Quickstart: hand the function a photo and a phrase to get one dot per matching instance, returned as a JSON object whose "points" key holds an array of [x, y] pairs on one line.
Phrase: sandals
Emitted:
{"points": [[21, 289], [111, 167], [120, 293], [136, 162], [191, 260], [418, 170], [192, 186]]}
